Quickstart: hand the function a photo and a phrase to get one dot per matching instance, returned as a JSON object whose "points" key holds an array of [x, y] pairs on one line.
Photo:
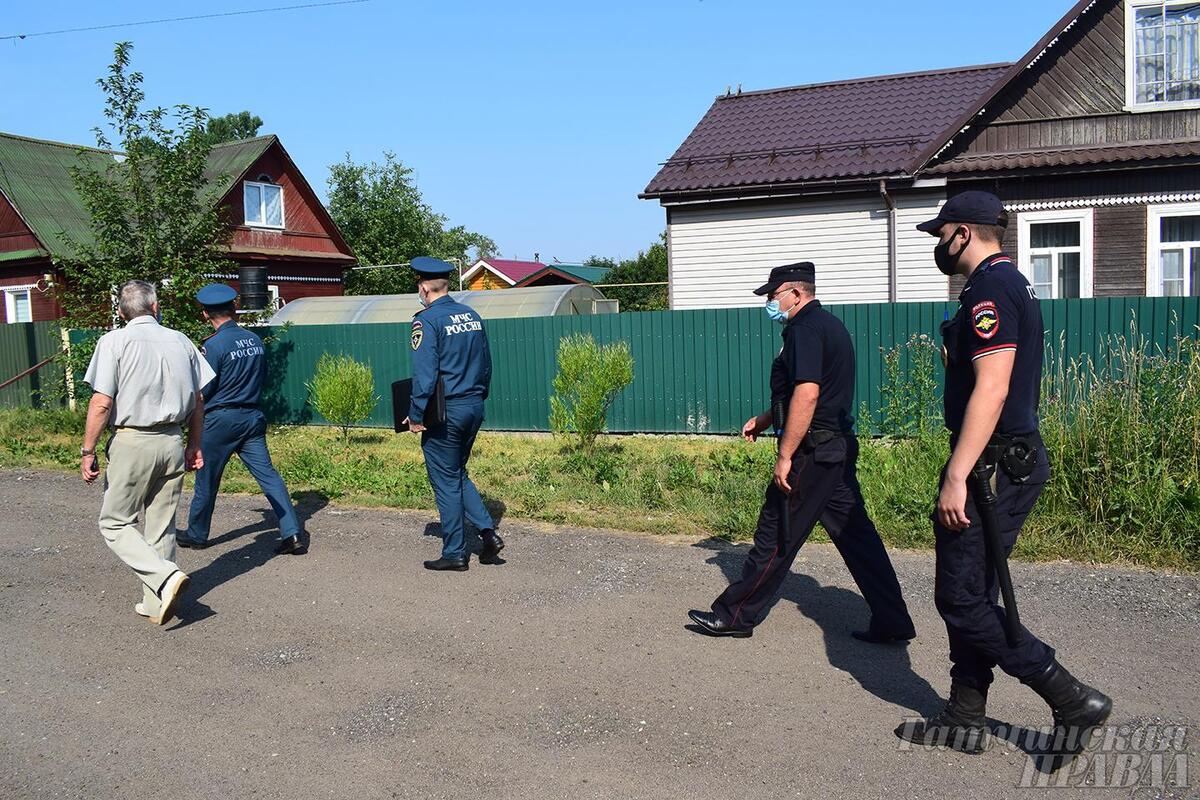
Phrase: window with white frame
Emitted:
{"points": [[264, 204], [1173, 260], [1162, 53], [18, 304], [1055, 250]]}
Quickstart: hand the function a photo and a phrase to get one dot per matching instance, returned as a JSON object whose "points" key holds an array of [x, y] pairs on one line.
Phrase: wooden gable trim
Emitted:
{"points": [[481, 265], [1035, 54]]}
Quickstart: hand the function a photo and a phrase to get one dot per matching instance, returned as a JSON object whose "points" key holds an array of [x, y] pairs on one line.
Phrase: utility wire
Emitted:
{"points": [[181, 19]]}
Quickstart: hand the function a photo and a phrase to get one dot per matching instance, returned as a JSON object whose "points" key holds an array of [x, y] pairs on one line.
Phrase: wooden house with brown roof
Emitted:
{"points": [[1092, 139], [277, 220]]}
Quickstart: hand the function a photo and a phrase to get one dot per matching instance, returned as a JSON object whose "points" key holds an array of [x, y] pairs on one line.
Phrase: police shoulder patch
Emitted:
{"points": [[418, 334], [985, 319]]}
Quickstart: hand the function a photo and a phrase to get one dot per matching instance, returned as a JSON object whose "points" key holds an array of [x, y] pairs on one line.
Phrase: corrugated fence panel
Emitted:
{"points": [[702, 371], [22, 345]]}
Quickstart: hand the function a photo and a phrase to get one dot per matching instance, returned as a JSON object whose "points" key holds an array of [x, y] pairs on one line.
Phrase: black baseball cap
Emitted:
{"points": [[802, 271], [973, 207]]}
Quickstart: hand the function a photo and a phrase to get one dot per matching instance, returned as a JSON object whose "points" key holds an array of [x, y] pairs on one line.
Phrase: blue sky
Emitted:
{"points": [[534, 122]]}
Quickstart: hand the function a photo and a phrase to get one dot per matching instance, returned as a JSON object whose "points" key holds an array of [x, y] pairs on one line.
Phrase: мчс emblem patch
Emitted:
{"points": [[418, 334], [985, 319]]}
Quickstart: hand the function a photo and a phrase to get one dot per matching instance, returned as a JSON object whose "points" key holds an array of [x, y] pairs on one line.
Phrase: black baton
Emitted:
{"points": [[980, 484], [779, 420]]}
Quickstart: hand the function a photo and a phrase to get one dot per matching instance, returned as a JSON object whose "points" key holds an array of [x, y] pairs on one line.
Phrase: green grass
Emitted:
{"points": [[682, 486]]}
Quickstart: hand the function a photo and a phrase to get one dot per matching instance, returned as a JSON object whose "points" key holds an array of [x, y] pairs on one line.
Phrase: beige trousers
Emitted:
{"points": [[145, 473]]}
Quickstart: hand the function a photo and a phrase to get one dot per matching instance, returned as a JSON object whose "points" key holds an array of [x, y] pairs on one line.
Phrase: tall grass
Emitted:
{"points": [[1123, 434]]}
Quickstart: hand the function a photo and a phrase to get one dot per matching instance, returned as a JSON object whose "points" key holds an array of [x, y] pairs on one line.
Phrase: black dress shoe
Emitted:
{"points": [[875, 637], [712, 625], [492, 545], [290, 546], [188, 543], [447, 565]]}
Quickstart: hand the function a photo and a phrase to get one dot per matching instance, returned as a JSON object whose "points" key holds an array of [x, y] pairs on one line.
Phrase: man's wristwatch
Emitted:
{"points": [[83, 451]]}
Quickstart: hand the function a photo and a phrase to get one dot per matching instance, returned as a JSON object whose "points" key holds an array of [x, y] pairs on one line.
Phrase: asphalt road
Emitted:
{"points": [[351, 672]]}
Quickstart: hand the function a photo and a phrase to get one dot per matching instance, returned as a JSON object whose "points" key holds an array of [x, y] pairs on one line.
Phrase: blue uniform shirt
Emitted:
{"points": [[448, 341], [998, 311], [239, 359], [817, 349]]}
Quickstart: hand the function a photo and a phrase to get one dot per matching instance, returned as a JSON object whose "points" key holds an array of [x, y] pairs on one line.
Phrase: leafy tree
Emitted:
{"points": [[590, 376], [650, 266], [152, 214], [343, 391], [233, 127], [380, 212]]}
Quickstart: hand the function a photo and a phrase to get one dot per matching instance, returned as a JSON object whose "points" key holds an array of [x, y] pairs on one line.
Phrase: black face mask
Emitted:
{"points": [[946, 261]]}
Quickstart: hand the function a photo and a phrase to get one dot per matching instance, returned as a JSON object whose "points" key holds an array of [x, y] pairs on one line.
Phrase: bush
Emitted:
{"points": [[590, 376], [343, 391]]}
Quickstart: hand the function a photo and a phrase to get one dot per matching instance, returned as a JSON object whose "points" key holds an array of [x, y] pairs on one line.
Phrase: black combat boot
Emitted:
{"points": [[961, 725], [1078, 709]]}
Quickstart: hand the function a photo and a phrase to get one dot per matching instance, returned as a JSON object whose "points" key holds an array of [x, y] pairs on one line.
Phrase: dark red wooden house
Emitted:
{"points": [[278, 221]]}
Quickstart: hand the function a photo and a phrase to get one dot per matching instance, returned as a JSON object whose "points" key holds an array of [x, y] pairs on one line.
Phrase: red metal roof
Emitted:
{"points": [[515, 271], [858, 129]]}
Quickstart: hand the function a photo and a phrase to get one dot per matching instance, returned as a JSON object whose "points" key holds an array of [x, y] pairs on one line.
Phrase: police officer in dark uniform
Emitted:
{"points": [[234, 422], [993, 351], [816, 473], [450, 347]]}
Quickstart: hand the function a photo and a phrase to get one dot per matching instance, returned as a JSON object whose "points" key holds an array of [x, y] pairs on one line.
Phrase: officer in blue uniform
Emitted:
{"points": [[234, 422], [816, 475], [450, 346], [993, 353]]}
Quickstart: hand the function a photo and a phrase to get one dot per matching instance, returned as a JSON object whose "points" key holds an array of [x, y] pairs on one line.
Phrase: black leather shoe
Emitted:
{"points": [[188, 543], [712, 625], [447, 565], [290, 546], [490, 554], [874, 637]]}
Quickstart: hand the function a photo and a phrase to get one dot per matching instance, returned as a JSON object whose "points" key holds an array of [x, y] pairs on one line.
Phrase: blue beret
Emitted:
{"points": [[216, 294], [429, 267]]}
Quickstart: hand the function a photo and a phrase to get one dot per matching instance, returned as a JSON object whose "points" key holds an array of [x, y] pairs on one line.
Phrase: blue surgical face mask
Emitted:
{"points": [[421, 299], [776, 313]]}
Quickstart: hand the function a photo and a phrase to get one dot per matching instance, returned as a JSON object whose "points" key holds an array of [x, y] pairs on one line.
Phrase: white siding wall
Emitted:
{"points": [[719, 255]]}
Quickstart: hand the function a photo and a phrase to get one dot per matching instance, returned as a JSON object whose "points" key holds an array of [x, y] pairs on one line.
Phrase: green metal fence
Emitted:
{"points": [[22, 345], [696, 371]]}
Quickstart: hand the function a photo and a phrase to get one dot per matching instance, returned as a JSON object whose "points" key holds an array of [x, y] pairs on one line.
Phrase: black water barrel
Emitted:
{"points": [[253, 282]]}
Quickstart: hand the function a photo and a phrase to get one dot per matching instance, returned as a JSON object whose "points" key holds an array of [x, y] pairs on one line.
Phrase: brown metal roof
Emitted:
{"points": [[858, 129], [1075, 155]]}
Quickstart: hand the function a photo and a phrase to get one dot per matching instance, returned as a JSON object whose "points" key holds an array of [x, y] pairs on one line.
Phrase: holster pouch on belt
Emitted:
{"points": [[1016, 455]]}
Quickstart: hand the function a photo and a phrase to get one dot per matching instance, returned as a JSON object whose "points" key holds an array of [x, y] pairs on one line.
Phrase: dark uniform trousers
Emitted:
{"points": [[243, 431], [966, 590], [825, 489], [447, 449]]}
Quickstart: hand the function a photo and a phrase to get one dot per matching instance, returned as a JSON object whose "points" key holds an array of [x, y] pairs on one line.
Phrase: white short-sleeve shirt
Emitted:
{"points": [[151, 372]]}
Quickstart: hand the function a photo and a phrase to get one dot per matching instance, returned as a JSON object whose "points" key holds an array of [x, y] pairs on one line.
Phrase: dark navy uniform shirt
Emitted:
{"points": [[817, 349], [240, 361], [998, 312], [448, 341]]}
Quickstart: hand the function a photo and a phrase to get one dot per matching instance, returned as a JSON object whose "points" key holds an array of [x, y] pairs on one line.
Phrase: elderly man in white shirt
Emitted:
{"points": [[147, 381]]}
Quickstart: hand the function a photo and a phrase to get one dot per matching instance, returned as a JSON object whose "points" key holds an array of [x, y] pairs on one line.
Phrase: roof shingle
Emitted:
{"points": [[866, 128]]}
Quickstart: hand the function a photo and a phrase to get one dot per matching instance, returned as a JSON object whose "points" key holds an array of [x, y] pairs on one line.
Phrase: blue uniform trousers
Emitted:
{"points": [[447, 449], [966, 590], [825, 489], [242, 431]]}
